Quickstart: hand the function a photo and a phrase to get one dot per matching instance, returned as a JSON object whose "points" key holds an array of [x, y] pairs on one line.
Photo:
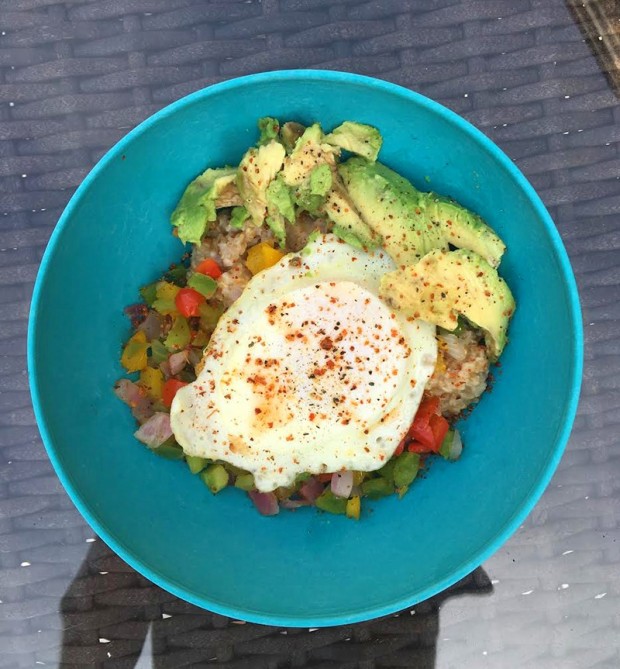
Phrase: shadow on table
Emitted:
{"points": [[115, 618]]}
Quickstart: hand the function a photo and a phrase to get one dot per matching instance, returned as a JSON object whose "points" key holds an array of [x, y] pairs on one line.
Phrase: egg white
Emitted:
{"points": [[308, 371]]}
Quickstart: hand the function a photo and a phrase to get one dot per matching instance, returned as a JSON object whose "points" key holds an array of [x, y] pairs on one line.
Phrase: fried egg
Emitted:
{"points": [[308, 371]]}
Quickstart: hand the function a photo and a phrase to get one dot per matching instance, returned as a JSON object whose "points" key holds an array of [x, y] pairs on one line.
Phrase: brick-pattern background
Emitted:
{"points": [[75, 76]]}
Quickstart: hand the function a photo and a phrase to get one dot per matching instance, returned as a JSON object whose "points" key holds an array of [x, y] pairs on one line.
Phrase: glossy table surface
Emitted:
{"points": [[542, 79]]}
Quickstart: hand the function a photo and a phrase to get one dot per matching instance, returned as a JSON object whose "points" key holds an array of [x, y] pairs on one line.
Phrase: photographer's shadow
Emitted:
{"points": [[115, 618]]}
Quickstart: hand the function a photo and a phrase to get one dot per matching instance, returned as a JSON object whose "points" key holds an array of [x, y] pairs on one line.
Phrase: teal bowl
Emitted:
{"points": [[299, 568]]}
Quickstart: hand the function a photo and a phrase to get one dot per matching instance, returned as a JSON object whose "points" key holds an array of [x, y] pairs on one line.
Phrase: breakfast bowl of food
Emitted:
{"points": [[305, 348]]}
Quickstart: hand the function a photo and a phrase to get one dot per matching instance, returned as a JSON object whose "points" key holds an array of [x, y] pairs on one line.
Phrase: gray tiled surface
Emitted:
{"points": [[74, 77]]}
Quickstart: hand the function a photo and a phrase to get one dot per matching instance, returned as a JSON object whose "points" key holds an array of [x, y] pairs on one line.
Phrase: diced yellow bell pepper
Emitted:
{"points": [[440, 364], [152, 380], [165, 292], [261, 257], [354, 506], [134, 357]]}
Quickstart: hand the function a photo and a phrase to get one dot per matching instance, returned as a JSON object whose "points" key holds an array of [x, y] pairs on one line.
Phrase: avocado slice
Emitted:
{"points": [[391, 207], [321, 180], [310, 151], [269, 128], [446, 284], [310, 169], [257, 169], [348, 224], [213, 189], [310, 194], [238, 217], [280, 209], [364, 140], [462, 228]]}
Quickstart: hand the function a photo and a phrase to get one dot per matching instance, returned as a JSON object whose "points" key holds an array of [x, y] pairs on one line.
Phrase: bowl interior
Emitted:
{"points": [[300, 568]]}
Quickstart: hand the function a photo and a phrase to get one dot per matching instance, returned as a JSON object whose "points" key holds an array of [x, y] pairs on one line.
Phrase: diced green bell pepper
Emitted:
{"points": [[376, 488], [149, 294], [159, 353], [195, 463], [406, 469], [164, 306], [169, 450], [177, 275], [387, 471], [209, 316], [204, 284], [215, 477], [446, 445], [179, 336], [330, 503], [245, 482]]}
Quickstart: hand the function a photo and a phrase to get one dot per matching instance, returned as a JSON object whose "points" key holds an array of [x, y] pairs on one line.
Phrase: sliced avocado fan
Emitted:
{"points": [[390, 206], [411, 222], [446, 284]]}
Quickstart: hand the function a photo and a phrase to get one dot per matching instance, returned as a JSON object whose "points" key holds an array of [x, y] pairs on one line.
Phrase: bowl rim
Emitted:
{"points": [[495, 542]]}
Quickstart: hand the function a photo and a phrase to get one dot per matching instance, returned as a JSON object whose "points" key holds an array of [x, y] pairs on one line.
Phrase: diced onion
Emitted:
{"points": [[454, 347], [131, 393], [151, 325], [342, 483], [177, 362], [311, 489], [265, 502], [155, 431]]}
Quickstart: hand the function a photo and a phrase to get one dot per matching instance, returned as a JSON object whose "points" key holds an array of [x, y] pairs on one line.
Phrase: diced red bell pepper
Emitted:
{"points": [[423, 433], [209, 267], [188, 301], [428, 428], [170, 389], [439, 426], [427, 408], [417, 447], [420, 429], [400, 448]]}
